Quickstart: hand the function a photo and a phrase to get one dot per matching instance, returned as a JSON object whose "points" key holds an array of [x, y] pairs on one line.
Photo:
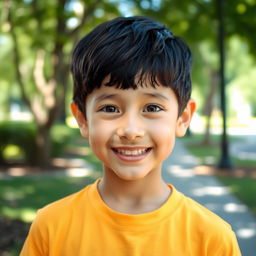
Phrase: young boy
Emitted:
{"points": [[131, 99]]}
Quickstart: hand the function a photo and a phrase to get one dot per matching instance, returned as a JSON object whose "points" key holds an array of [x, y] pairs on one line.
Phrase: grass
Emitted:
{"points": [[244, 189], [21, 197]]}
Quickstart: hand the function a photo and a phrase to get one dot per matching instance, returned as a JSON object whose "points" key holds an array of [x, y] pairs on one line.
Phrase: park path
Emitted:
{"points": [[178, 170]]}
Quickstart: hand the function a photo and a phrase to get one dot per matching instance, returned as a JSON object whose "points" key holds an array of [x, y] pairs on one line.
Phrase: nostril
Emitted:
{"points": [[130, 133]]}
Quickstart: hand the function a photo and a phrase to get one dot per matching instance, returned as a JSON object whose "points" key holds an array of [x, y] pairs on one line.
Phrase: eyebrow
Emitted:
{"points": [[111, 96], [157, 95], [105, 97]]}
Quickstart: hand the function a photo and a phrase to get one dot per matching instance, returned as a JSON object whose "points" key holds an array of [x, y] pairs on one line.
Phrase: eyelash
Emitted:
{"points": [[115, 109], [104, 109], [155, 106]]}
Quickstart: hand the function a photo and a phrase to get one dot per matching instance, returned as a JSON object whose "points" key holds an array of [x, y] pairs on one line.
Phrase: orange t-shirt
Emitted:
{"points": [[82, 224]]}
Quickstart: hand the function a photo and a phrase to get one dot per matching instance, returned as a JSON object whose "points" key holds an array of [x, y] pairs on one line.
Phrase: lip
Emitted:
{"points": [[131, 157]]}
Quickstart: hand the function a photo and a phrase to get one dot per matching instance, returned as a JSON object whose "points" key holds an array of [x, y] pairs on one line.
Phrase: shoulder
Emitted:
{"points": [[56, 216], [197, 216], [52, 221], [189, 209], [197, 210], [211, 230], [60, 212], [64, 205]]}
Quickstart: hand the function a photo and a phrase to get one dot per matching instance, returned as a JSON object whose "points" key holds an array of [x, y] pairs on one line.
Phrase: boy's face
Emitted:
{"points": [[132, 131]]}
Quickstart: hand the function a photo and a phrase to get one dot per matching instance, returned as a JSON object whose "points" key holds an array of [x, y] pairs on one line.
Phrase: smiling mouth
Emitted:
{"points": [[131, 152]]}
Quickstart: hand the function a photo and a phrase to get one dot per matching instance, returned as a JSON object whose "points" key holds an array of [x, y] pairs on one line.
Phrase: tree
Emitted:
{"points": [[197, 22], [42, 34]]}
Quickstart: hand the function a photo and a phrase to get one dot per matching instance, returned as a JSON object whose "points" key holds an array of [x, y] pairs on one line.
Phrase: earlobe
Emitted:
{"points": [[185, 119], [81, 121]]}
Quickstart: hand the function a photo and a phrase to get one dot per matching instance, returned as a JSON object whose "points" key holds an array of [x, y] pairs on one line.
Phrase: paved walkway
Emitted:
{"points": [[207, 190], [244, 148]]}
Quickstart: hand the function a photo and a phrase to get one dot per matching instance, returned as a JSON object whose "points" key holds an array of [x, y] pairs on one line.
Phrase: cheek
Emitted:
{"points": [[165, 128], [163, 134], [99, 134]]}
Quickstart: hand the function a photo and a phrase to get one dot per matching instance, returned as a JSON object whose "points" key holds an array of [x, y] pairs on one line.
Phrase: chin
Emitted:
{"points": [[131, 176]]}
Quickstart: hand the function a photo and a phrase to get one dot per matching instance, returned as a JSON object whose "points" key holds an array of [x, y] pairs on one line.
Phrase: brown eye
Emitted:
{"points": [[110, 109], [152, 108]]}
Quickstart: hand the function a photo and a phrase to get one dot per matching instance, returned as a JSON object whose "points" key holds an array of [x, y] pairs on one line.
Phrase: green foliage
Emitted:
{"points": [[193, 20], [41, 36], [241, 74], [242, 188], [21, 136], [31, 193], [197, 23], [205, 154], [240, 20], [61, 135], [46, 31], [12, 151]]}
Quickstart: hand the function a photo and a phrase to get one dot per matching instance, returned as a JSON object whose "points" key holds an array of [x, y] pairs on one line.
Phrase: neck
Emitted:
{"points": [[133, 197]]}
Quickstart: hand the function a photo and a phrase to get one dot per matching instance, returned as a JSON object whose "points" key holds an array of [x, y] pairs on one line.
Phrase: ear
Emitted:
{"points": [[81, 121], [185, 118]]}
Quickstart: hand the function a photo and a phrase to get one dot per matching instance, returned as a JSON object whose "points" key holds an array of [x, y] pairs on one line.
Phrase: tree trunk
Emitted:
{"points": [[7, 111], [63, 115], [43, 147], [207, 135], [209, 107], [49, 90]]}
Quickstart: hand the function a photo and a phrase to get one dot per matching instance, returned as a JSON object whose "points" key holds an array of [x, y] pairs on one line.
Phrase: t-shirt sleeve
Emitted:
{"points": [[224, 245], [35, 244], [216, 237]]}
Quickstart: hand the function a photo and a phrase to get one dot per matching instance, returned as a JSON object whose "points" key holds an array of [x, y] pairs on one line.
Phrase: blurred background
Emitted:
{"points": [[43, 158]]}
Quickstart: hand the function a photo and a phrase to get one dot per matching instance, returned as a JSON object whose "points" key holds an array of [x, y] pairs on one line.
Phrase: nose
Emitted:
{"points": [[130, 127]]}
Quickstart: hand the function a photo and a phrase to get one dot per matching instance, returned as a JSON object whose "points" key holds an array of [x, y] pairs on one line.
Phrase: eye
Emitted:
{"points": [[110, 109], [152, 108]]}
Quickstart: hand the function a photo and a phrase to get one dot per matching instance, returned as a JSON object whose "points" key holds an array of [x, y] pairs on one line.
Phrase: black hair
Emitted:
{"points": [[131, 50]]}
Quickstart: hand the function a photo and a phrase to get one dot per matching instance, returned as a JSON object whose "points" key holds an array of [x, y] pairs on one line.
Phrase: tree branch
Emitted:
{"points": [[38, 15], [40, 113], [60, 94], [86, 16], [203, 7], [46, 89], [33, 105], [17, 63], [38, 71], [61, 30], [5, 11]]}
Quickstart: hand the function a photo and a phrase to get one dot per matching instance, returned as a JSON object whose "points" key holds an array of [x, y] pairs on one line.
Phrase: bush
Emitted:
{"points": [[23, 134], [61, 135], [20, 134]]}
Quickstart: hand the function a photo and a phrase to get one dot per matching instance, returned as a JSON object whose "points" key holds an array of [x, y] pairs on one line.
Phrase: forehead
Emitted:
{"points": [[141, 92]]}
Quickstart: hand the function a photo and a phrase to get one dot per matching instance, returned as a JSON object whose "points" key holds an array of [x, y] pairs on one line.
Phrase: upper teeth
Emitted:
{"points": [[131, 152]]}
